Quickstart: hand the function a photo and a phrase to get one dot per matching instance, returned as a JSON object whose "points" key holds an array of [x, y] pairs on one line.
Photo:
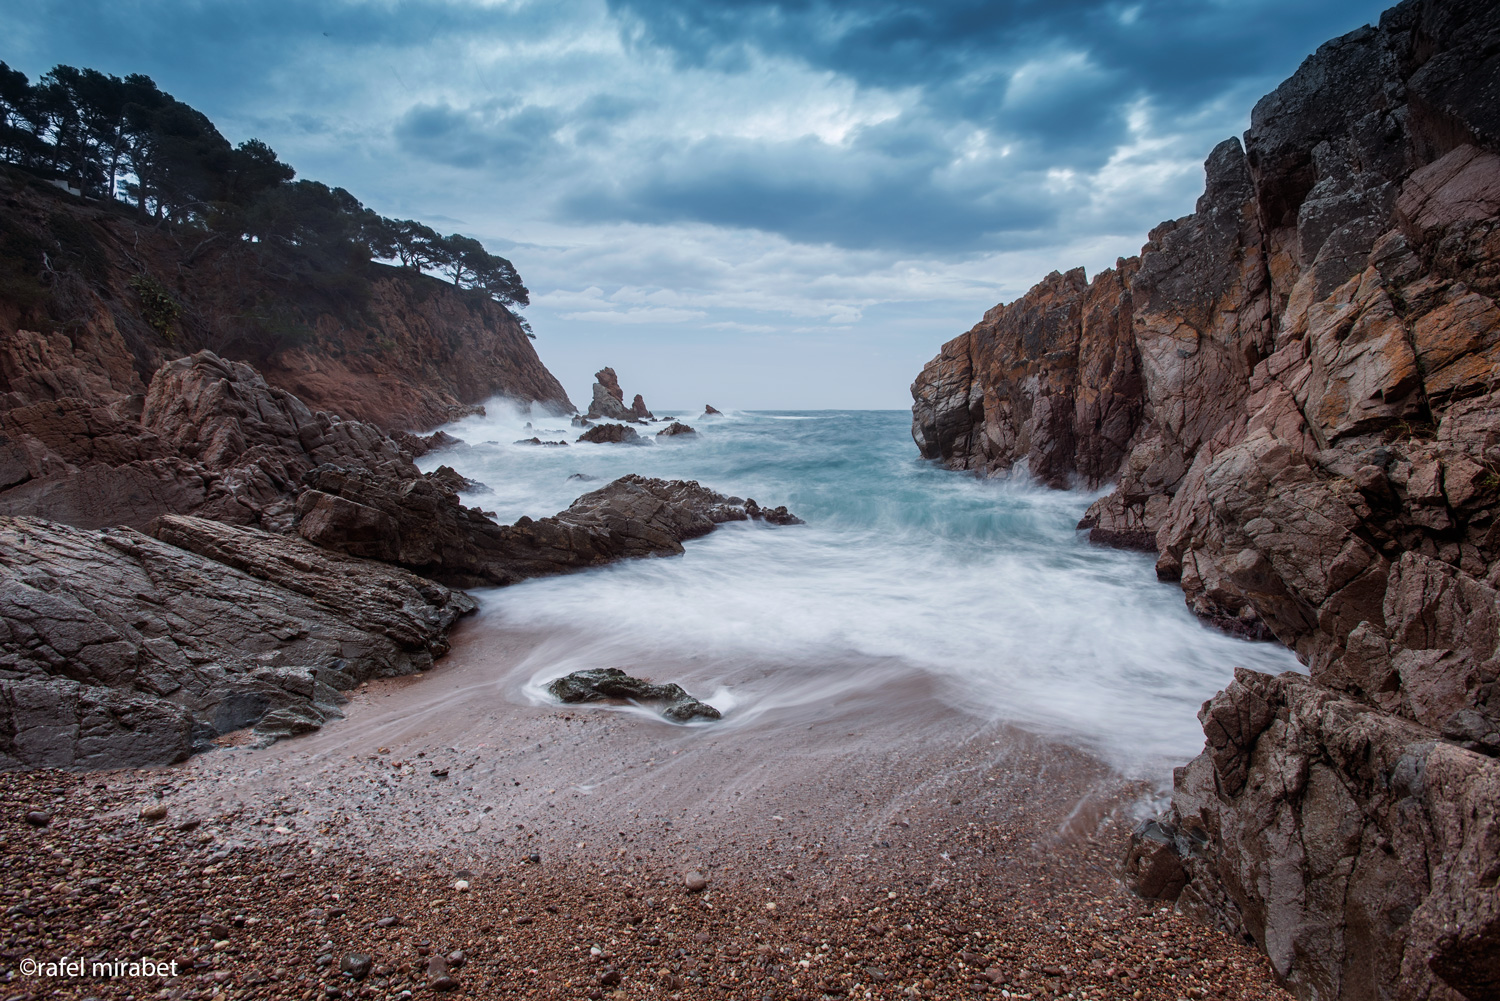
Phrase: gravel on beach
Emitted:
{"points": [[260, 907]]}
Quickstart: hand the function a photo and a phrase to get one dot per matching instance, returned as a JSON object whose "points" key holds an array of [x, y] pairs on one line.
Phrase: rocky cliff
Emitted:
{"points": [[92, 302], [214, 555], [1294, 389]]}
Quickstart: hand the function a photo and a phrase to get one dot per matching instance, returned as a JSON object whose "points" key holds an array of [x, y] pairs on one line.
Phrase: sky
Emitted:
{"points": [[754, 204]]}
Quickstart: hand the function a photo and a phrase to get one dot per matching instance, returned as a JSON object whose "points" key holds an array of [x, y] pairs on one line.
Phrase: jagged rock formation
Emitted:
{"points": [[612, 434], [118, 649], [1050, 380], [386, 346], [674, 429], [210, 438], [1295, 388], [419, 526], [609, 400]]}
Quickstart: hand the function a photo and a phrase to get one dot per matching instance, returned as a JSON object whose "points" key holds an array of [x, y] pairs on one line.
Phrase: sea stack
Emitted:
{"points": [[609, 400]]}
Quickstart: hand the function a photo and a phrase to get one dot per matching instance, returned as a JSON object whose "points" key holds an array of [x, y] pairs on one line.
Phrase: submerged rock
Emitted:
{"points": [[612, 683], [612, 434], [537, 441], [674, 429]]}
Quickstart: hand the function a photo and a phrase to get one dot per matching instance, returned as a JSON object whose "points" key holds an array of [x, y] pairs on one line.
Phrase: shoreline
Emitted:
{"points": [[924, 845]]}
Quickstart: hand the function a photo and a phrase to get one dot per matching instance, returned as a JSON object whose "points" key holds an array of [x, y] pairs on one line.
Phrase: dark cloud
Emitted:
{"points": [[223, 51], [1050, 82], [499, 134], [1176, 49], [814, 192]]}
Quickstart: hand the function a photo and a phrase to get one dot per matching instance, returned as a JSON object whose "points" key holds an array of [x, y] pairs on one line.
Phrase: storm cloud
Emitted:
{"points": [[681, 183]]}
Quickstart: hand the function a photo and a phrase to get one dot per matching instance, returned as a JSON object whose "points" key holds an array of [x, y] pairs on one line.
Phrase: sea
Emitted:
{"points": [[982, 588]]}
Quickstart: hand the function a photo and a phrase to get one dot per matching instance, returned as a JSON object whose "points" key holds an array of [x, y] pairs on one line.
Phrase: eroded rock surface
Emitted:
{"points": [[209, 437], [1303, 375], [121, 649], [417, 524], [605, 683], [609, 400], [1356, 848], [612, 434], [385, 345]]}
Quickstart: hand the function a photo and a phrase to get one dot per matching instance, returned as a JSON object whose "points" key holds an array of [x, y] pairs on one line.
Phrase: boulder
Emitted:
{"points": [[419, 445], [674, 429], [616, 434], [121, 649], [611, 683], [1356, 848], [710, 411], [210, 438]]}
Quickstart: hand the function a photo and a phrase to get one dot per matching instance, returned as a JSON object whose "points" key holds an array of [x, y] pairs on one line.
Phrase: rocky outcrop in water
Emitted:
{"points": [[609, 400], [122, 647], [611, 683], [1051, 380], [612, 434], [417, 524], [1295, 389], [118, 648], [674, 429]]}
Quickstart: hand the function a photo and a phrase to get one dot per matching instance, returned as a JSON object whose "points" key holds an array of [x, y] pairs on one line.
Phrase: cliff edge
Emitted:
{"points": [[94, 300], [1295, 391]]}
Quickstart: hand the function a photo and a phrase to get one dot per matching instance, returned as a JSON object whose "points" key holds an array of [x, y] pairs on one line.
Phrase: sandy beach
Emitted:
{"points": [[877, 843]]}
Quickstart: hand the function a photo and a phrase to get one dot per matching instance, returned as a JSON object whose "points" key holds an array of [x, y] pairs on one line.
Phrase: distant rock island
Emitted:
{"points": [[609, 400]]}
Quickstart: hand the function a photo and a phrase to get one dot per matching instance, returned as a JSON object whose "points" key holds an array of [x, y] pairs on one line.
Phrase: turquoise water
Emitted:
{"points": [[982, 588]]}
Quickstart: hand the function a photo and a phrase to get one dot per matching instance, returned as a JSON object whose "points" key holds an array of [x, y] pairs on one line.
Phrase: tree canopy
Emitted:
{"points": [[127, 140]]}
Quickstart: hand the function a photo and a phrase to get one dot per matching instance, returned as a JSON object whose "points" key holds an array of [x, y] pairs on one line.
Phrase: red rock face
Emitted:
{"points": [[1306, 428], [1050, 379]]}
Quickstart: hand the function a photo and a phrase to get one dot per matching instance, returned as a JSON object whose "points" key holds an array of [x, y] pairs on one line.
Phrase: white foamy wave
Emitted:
{"points": [[982, 589]]}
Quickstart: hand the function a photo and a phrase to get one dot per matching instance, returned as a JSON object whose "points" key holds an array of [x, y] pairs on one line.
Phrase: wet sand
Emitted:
{"points": [[905, 846]]}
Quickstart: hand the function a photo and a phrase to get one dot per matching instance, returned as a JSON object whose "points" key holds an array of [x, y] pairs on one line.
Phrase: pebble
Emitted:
{"points": [[1031, 910], [356, 964], [38, 818], [154, 812], [695, 881]]}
